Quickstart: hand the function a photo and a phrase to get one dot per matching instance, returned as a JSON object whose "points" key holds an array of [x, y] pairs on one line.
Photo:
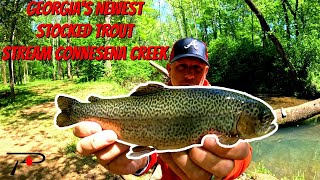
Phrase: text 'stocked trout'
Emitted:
{"points": [[173, 118]]}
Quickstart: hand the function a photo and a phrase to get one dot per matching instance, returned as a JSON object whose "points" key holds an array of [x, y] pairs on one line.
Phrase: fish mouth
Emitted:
{"points": [[271, 128]]}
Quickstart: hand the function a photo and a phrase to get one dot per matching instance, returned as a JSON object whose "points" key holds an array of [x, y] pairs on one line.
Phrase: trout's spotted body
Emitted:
{"points": [[168, 118]]}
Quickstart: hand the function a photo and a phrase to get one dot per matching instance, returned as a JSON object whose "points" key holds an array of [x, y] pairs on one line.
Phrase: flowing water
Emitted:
{"points": [[291, 152]]}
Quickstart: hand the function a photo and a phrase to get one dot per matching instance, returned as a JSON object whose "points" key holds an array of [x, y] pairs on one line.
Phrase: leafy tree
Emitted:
{"points": [[15, 30]]}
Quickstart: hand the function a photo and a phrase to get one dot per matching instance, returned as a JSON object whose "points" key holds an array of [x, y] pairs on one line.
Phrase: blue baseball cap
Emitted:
{"points": [[189, 47]]}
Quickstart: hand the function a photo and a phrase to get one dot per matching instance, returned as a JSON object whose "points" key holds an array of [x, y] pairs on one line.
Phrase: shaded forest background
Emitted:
{"points": [[241, 43]]}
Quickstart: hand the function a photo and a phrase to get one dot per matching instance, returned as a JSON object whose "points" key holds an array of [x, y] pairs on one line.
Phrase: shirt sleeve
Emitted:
{"points": [[240, 166], [152, 160]]}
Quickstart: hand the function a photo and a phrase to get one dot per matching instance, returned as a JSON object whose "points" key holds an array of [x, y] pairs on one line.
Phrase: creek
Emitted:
{"points": [[291, 152]]}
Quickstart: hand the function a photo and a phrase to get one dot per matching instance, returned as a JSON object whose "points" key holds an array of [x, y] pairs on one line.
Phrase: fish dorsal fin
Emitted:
{"points": [[93, 98], [148, 89]]}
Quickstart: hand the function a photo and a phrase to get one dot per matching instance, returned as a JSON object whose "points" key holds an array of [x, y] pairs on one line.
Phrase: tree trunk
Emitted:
{"points": [[206, 39], [194, 18], [10, 62], [183, 15], [180, 27], [286, 18], [55, 45], [161, 32], [25, 72], [60, 72], [252, 29], [19, 71], [232, 28], [214, 26], [298, 113], [77, 69], [107, 63], [4, 73], [295, 19], [16, 78], [276, 42], [264, 39], [220, 26], [294, 14], [302, 18], [53, 60]]}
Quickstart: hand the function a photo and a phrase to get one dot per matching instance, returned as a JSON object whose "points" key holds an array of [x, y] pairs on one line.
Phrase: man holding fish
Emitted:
{"points": [[188, 66]]}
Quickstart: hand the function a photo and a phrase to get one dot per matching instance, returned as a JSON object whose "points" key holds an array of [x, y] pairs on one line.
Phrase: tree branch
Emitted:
{"points": [[298, 113], [275, 41], [289, 7]]}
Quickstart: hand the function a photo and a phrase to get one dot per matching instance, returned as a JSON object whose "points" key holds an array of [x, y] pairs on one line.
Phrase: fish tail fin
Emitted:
{"points": [[65, 105]]}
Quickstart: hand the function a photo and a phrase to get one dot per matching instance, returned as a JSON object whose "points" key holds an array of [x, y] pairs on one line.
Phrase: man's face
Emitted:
{"points": [[188, 71]]}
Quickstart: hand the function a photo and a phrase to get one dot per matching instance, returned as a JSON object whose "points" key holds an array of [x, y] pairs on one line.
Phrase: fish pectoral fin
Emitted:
{"points": [[138, 152], [148, 89], [228, 141]]}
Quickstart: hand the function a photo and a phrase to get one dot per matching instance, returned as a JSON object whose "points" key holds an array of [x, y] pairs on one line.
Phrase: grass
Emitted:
{"points": [[259, 168], [42, 91], [311, 121], [70, 149], [299, 176]]}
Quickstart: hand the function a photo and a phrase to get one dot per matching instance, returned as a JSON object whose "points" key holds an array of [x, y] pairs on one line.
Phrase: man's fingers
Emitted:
{"points": [[239, 152], [106, 155], [96, 142], [122, 165], [167, 158], [192, 170], [212, 163], [86, 128]]}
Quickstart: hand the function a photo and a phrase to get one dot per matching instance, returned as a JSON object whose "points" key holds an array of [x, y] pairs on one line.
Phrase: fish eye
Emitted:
{"points": [[266, 116]]}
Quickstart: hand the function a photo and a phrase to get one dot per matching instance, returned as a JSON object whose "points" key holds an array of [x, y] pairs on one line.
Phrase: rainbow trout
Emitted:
{"points": [[159, 118]]}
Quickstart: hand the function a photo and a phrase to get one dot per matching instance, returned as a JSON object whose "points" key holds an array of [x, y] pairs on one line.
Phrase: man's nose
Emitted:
{"points": [[189, 74]]}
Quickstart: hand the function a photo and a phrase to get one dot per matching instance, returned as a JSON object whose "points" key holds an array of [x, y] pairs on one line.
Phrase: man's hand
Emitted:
{"points": [[203, 162], [102, 143]]}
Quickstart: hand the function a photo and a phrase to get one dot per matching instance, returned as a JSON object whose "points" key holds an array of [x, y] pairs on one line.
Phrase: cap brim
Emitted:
{"points": [[189, 55]]}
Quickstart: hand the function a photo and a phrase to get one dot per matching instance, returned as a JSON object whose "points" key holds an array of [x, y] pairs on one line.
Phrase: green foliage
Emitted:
{"points": [[241, 55], [240, 65], [91, 70], [70, 149], [127, 72], [299, 176], [260, 168]]}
